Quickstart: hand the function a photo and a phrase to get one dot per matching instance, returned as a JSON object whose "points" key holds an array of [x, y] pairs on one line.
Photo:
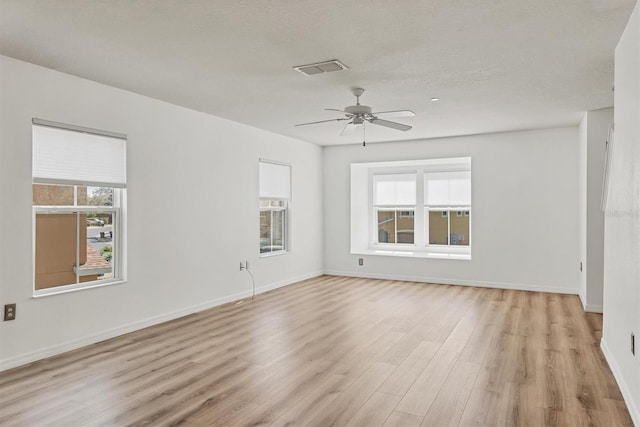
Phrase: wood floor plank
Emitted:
{"points": [[449, 404], [404, 376], [336, 351], [346, 405], [424, 390], [402, 419], [375, 411]]}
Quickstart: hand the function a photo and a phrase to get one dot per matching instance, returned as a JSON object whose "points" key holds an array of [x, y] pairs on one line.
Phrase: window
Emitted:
{"points": [[78, 193], [446, 196], [412, 208], [395, 204], [275, 196]]}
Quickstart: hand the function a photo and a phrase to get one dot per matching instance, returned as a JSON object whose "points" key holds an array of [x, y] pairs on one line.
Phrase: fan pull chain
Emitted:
{"points": [[364, 126]]}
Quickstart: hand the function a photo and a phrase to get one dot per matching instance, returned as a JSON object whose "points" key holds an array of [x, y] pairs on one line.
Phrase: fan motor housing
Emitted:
{"points": [[358, 109]]}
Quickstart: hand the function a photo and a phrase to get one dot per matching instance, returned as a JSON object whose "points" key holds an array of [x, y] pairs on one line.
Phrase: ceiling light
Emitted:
{"points": [[435, 99]]}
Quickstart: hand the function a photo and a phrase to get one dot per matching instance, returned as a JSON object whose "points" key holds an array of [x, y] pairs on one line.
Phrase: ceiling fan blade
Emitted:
{"points": [[321, 121], [396, 113], [349, 129], [387, 123], [339, 111]]}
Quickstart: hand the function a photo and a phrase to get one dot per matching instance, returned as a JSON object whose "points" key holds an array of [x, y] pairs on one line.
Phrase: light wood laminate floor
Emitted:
{"points": [[337, 351]]}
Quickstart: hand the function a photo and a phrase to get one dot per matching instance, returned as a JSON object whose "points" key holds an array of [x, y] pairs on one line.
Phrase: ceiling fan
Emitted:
{"points": [[358, 114]]}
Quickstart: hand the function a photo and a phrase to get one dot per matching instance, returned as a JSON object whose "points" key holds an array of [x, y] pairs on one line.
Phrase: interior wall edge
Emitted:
{"points": [[634, 411]]}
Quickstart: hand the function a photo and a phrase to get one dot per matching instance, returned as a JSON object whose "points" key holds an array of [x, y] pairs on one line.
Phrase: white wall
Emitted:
{"points": [[187, 172], [622, 223], [582, 206], [525, 204], [593, 131]]}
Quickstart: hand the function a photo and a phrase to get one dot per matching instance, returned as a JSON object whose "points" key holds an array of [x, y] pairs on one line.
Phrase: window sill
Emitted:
{"points": [[58, 290], [272, 254], [413, 254]]}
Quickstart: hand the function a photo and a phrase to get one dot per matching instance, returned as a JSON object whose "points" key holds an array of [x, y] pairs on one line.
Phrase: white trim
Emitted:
{"points": [[59, 290], [622, 384], [81, 129], [91, 271], [589, 308], [33, 356], [592, 308], [443, 281], [583, 300], [274, 253]]}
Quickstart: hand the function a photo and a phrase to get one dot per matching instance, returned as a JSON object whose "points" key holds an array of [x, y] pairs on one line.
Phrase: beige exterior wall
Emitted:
{"points": [[438, 227], [387, 227]]}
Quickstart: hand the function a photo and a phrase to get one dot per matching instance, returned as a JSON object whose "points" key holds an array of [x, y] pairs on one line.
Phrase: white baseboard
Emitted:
{"points": [[23, 359], [443, 281], [624, 388], [589, 308], [592, 308]]}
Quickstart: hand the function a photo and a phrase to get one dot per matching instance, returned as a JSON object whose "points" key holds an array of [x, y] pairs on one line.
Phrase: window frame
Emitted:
{"points": [[285, 197], [397, 208], [117, 261], [285, 226], [421, 243], [117, 210]]}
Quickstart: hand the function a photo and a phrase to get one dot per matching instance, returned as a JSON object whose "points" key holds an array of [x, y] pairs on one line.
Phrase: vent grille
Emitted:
{"points": [[321, 67]]}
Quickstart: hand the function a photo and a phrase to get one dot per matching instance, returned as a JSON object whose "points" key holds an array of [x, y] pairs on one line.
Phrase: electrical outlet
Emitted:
{"points": [[633, 344], [9, 312], [360, 261]]}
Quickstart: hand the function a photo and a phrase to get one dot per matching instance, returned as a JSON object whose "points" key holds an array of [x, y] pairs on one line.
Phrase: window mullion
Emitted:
{"points": [[77, 246], [395, 226], [271, 229], [419, 224], [449, 228]]}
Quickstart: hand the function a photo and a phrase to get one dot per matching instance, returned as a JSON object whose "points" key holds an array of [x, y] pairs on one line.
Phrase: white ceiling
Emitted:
{"points": [[497, 65]]}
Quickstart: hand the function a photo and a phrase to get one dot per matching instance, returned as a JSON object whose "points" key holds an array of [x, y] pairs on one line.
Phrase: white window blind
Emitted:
{"points": [[447, 188], [395, 189], [62, 156], [275, 180]]}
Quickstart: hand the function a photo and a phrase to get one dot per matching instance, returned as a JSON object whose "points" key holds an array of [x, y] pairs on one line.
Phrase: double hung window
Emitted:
{"points": [[447, 201], [395, 206], [79, 187], [275, 196], [416, 208]]}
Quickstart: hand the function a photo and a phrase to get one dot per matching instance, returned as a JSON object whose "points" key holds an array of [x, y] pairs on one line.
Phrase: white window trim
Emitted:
{"points": [[285, 230], [420, 248], [287, 207], [119, 237], [119, 206]]}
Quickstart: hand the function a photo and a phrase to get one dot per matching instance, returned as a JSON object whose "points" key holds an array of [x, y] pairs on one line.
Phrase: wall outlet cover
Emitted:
{"points": [[9, 312]]}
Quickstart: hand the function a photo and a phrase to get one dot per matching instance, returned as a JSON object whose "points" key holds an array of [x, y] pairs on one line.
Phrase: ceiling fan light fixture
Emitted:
{"points": [[321, 67]]}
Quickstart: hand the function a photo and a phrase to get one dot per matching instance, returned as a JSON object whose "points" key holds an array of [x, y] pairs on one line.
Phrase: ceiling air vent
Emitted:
{"points": [[321, 67]]}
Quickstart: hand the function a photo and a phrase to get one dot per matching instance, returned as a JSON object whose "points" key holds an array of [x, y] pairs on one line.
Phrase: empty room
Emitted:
{"points": [[324, 213]]}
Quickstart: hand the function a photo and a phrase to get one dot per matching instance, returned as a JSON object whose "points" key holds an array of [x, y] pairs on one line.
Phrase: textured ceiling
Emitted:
{"points": [[496, 65]]}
